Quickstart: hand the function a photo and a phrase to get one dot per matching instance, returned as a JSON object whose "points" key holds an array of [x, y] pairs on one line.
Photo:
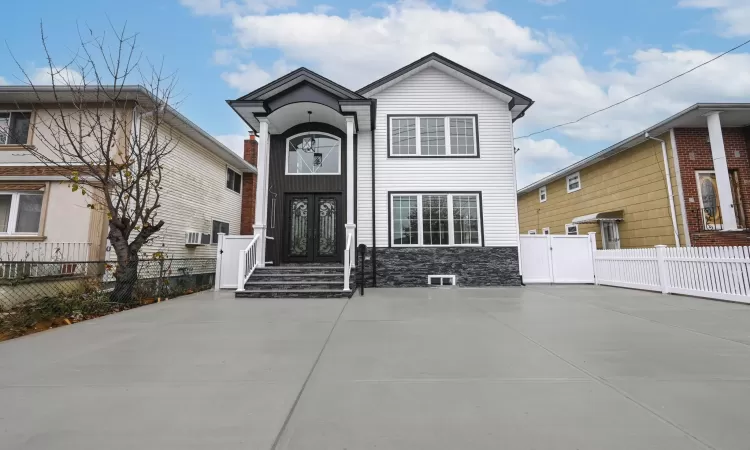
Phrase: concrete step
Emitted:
{"points": [[293, 293], [287, 284], [299, 270], [281, 277]]}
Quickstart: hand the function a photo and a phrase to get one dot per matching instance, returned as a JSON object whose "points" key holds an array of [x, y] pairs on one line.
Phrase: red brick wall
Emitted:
{"points": [[249, 185], [694, 153]]}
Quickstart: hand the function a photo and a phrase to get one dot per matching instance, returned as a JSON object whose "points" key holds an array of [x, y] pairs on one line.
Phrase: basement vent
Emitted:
{"points": [[441, 280]]}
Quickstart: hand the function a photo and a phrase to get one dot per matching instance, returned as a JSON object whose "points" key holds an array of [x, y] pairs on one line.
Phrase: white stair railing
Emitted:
{"points": [[248, 263], [347, 262]]}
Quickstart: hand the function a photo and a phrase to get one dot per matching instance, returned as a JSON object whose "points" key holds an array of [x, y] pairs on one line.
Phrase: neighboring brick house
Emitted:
{"points": [[42, 218], [622, 193]]}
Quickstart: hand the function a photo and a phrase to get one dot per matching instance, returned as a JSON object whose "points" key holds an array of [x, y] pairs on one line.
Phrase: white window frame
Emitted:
{"points": [[447, 130], [286, 156], [451, 237], [532, 232], [567, 182], [217, 234], [546, 231], [239, 175], [30, 113], [13, 218], [441, 277], [568, 226], [542, 194]]}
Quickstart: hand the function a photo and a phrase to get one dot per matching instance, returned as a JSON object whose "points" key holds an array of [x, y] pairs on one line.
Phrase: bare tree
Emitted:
{"points": [[108, 137]]}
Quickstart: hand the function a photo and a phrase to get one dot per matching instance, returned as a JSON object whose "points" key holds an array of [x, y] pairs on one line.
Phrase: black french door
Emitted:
{"points": [[314, 228]]}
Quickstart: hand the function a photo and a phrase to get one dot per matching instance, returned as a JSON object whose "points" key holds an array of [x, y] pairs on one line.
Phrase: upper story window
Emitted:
{"points": [[532, 232], [14, 127], [571, 229], [542, 194], [234, 180], [313, 153], [574, 182], [435, 220], [433, 136], [20, 212]]}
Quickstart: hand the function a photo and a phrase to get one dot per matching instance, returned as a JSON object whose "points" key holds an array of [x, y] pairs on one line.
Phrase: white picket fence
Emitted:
{"points": [[721, 273]]}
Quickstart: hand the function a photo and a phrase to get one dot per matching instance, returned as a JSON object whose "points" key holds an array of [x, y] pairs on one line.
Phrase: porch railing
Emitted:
{"points": [[41, 259], [248, 263], [348, 261], [710, 219]]}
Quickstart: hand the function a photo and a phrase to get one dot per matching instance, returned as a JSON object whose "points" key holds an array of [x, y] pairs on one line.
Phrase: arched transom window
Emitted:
{"points": [[313, 153]]}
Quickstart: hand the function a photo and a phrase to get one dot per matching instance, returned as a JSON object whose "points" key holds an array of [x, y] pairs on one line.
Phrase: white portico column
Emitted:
{"points": [[722, 172], [350, 225], [261, 192]]}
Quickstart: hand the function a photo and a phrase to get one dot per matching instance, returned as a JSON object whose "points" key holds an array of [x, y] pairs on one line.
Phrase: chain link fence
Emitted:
{"points": [[37, 292]]}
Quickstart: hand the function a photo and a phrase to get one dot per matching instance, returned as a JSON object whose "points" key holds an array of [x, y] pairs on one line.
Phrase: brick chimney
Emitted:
{"points": [[249, 185]]}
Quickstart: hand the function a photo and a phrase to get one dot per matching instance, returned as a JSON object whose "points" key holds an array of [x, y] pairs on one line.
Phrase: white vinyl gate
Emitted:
{"points": [[228, 260], [557, 258]]}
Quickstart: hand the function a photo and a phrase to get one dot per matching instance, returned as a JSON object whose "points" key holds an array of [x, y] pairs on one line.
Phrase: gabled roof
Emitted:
{"points": [[733, 115], [518, 103], [300, 75], [135, 93]]}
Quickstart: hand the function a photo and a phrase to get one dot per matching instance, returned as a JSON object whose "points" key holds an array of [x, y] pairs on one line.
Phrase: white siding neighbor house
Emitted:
{"points": [[417, 166], [41, 218]]}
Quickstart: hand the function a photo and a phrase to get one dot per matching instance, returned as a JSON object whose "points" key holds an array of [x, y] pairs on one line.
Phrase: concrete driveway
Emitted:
{"points": [[550, 367]]}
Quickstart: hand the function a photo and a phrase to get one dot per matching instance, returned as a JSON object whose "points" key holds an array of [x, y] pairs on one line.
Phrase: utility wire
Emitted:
{"points": [[638, 94]]}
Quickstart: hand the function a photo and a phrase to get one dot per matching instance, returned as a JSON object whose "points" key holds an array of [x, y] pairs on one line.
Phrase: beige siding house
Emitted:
{"points": [[682, 182], [632, 182], [42, 218]]}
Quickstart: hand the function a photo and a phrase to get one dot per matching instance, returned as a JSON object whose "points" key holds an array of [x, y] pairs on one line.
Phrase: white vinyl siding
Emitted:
{"points": [[195, 194], [431, 92], [364, 188]]}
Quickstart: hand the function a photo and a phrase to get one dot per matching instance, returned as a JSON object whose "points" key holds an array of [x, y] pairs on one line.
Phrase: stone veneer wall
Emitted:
{"points": [[473, 266]]}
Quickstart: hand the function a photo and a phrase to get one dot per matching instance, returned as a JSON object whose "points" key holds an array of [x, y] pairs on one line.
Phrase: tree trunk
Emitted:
{"points": [[126, 278]]}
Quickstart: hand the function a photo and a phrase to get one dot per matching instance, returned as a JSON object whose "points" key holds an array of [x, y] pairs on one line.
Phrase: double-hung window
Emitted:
{"points": [[234, 180], [20, 212], [435, 220], [14, 127], [433, 136], [574, 182]]}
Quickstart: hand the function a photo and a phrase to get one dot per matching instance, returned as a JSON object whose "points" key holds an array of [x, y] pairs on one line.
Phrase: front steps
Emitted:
{"points": [[301, 281]]}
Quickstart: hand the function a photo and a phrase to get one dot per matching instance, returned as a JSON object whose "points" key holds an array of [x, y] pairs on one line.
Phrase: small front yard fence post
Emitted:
{"points": [[661, 263]]}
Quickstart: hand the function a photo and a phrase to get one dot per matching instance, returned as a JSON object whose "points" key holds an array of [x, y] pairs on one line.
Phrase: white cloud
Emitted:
{"points": [[229, 7], [367, 47], [235, 142], [539, 158], [470, 5], [542, 65], [3, 81], [223, 56], [60, 76], [732, 15], [247, 77]]}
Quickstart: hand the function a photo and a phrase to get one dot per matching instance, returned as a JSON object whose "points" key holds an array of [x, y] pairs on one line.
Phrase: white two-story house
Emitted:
{"points": [[418, 166]]}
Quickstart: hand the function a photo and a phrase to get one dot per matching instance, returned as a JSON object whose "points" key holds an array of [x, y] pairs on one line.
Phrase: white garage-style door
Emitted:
{"points": [[557, 258]]}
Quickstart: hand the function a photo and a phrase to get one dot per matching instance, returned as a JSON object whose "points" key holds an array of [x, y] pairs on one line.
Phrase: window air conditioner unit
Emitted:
{"points": [[193, 238]]}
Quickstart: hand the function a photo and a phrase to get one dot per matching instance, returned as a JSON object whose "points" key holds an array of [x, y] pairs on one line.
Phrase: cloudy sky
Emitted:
{"points": [[571, 56]]}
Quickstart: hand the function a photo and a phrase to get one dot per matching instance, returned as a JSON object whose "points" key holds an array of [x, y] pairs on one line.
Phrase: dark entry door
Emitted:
{"points": [[313, 228]]}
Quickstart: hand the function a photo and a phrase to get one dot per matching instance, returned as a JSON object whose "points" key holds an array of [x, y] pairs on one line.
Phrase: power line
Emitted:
{"points": [[638, 94]]}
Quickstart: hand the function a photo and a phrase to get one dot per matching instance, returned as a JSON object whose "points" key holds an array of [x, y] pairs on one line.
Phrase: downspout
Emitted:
{"points": [[669, 188], [373, 113], [680, 191]]}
